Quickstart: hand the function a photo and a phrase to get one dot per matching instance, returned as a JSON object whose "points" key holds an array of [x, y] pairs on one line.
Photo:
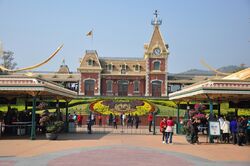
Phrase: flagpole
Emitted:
{"points": [[92, 40]]}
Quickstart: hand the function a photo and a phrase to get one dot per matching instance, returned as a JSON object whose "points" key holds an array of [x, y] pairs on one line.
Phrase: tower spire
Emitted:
{"points": [[156, 21]]}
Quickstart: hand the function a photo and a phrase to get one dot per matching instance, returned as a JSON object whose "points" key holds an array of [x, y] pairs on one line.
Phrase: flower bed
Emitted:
{"points": [[105, 107]]}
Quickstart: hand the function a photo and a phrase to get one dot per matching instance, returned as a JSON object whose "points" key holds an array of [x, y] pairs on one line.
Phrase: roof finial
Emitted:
{"points": [[156, 21], [63, 62]]}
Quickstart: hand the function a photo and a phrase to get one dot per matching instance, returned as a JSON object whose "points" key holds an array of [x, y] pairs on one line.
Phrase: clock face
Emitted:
{"points": [[157, 51]]}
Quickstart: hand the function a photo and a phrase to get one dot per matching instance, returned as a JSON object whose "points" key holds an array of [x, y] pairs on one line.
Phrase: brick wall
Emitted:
{"points": [[85, 76]]}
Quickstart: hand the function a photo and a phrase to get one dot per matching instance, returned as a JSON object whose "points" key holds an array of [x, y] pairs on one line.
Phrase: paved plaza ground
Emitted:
{"points": [[118, 149]]}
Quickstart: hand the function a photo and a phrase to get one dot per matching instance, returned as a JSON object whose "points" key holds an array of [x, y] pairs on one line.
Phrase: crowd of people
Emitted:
{"points": [[114, 120], [14, 119], [235, 130]]}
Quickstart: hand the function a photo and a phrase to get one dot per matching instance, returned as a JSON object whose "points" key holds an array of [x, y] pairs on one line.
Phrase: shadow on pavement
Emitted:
{"points": [[61, 136]]}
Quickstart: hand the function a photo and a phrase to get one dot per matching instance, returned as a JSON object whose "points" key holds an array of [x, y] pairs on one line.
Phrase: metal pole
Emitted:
{"points": [[67, 116], [178, 118], [218, 109], [33, 127], [211, 106], [154, 121], [188, 108], [236, 112], [26, 104], [57, 110], [211, 114]]}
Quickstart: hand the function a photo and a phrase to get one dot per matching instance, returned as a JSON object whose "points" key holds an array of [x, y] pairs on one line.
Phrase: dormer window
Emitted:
{"points": [[110, 67], [124, 66], [137, 67], [90, 62]]}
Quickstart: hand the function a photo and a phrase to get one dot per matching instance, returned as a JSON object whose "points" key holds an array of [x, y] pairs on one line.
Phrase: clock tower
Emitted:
{"points": [[156, 57]]}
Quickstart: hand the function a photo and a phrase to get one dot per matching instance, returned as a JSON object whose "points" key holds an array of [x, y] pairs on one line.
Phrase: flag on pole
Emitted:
{"points": [[90, 33]]}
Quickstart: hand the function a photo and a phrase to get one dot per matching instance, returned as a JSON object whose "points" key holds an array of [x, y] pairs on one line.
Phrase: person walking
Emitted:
{"points": [[248, 131], [233, 129], [150, 120], [240, 131], [163, 126], [89, 124], [169, 130], [100, 119], [123, 119], [129, 119], [79, 120], [194, 131], [115, 122], [110, 119], [137, 121], [225, 130], [221, 121]]}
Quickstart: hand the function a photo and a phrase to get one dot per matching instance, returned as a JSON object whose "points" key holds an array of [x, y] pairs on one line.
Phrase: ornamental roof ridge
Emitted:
{"points": [[121, 58]]}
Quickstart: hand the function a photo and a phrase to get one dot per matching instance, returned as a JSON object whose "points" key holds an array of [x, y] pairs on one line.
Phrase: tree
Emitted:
{"points": [[7, 60]]}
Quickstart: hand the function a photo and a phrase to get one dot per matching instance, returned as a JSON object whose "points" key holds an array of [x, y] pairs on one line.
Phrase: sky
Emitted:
{"points": [[217, 31]]}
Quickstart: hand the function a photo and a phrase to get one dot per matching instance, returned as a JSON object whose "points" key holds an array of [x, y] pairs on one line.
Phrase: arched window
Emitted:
{"points": [[157, 65], [136, 86], [109, 85]]}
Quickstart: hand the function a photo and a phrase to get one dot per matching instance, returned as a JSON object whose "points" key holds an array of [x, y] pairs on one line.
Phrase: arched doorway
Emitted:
{"points": [[156, 88], [122, 88], [89, 87]]}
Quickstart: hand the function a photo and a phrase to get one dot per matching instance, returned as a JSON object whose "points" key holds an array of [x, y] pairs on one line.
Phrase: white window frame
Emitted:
{"points": [[138, 86], [159, 65], [138, 67], [107, 82]]}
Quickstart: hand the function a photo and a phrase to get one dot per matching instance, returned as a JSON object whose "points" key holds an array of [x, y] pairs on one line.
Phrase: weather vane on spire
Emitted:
{"points": [[63, 62], [156, 21], [155, 13]]}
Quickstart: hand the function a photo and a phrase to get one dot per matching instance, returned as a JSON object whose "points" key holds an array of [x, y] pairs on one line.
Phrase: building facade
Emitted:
{"points": [[147, 76]]}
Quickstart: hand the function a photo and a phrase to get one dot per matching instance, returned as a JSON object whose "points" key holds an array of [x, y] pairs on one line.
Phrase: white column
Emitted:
{"points": [[147, 78], [166, 76], [99, 85]]}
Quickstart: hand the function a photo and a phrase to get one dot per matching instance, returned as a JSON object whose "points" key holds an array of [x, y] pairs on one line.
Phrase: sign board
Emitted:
{"points": [[214, 128]]}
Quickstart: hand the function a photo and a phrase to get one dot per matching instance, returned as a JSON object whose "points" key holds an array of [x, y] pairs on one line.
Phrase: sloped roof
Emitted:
{"points": [[117, 66], [19, 86], [240, 75], [63, 69], [156, 41], [90, 55]]}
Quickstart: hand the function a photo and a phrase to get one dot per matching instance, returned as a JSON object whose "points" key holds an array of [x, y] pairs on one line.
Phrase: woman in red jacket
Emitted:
{"points": [[169, 130], [150, 120], [163, 126]]}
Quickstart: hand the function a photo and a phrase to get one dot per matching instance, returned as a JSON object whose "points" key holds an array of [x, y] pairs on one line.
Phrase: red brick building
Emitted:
{"points": [[145, 76]]}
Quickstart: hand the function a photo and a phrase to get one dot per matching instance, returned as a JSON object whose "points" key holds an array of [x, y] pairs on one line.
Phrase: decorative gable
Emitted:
{"points": [[90, 62]]}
